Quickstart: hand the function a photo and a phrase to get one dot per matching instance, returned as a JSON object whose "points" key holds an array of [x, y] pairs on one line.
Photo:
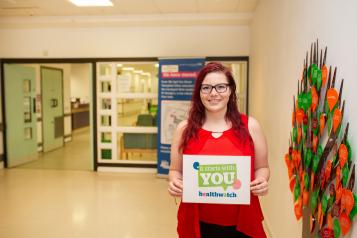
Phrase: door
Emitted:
{"points": [[52, 104], [21, 136]]}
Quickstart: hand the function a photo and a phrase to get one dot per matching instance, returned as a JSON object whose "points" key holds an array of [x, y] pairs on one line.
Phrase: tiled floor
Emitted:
{"points": [[50, 198], [75, 155], [51, 204]]}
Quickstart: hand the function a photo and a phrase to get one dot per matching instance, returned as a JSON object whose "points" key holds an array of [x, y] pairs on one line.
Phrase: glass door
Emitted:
{"points": [[127, 107]]}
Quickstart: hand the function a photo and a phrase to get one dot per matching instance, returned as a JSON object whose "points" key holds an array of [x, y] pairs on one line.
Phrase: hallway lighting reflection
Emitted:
{"points": [[79, 216]]}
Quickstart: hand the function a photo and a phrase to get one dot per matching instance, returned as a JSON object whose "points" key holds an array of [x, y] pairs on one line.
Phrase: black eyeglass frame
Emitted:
{"points": [[215, 87]]}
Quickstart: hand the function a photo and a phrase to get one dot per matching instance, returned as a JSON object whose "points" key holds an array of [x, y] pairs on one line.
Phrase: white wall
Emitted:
{"points": [[125, 41], [80, 80], [282, 32], [56, 41]]}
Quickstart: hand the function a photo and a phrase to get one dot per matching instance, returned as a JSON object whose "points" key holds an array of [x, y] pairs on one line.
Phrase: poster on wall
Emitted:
{"points": [[176, 82], [216, 179]]}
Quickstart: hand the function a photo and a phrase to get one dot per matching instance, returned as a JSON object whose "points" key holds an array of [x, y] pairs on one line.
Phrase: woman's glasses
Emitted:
{"points": [[220, 88]]}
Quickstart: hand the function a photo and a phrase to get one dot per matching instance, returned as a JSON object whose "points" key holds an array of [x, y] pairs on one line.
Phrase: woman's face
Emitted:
{"points": [[212, 100]]}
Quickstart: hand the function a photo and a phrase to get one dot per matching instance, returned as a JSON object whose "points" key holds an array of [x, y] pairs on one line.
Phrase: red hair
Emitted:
{"points": [[197, 113]]}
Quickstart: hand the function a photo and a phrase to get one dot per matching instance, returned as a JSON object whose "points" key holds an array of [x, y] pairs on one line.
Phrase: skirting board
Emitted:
{"points": [[1, 164], [126, 170]]}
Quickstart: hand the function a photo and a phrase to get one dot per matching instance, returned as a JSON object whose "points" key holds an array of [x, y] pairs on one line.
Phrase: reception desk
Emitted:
{"points": [[80, 116]]}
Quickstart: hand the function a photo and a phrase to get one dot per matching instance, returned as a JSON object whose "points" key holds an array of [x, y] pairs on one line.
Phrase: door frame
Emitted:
{"points": [[25, 61], [63, 115]]}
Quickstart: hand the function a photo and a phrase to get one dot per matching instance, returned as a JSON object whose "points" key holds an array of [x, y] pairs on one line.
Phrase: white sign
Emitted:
{"points": [[216, 179]]}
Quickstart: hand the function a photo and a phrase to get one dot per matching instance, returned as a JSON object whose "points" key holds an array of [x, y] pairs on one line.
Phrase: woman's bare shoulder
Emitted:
{"points": [[253, 125]]}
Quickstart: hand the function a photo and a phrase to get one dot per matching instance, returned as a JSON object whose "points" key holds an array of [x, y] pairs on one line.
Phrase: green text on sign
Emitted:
{"points": [[217, 175]]}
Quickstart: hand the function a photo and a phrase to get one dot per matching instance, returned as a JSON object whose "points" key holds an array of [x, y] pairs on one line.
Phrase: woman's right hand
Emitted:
{"points": [[175, 186]]}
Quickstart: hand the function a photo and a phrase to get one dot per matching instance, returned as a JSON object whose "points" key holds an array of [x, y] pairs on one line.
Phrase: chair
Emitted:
{"points": [[139, 142]]}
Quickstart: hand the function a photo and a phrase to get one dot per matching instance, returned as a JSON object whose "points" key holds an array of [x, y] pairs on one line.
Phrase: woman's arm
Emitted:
{"points": [[175, 174], [259, 186]]}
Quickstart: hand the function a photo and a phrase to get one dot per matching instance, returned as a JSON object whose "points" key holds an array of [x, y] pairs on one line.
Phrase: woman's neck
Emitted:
{"points": [[216, 121]]}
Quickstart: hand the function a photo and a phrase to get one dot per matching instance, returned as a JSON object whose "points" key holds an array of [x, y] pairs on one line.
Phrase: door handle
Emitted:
{"points": [[34, 105], [54, 102]]}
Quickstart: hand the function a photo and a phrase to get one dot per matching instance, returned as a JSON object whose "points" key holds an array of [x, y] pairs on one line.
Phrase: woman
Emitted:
{"points": [[215, 127]]}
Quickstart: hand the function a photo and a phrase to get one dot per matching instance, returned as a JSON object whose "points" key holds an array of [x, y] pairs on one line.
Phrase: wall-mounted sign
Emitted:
{"points": [[176, 81]]}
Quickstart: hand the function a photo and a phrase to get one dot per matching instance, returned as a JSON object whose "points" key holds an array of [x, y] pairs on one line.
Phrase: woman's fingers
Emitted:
{"points": [[260, 192], [174, 193], [178, 183], [259, 186], [175, 188]]}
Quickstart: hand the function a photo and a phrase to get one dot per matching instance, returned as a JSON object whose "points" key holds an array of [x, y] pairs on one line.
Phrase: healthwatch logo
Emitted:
{"points": [[217, 175]]}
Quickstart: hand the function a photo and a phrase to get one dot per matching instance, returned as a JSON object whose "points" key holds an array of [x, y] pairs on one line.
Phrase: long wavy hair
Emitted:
{"points": [[197, 114]]}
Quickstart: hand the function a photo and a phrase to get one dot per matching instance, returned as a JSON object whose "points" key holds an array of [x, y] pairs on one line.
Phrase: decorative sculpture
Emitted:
{"points": [[319, 161]]}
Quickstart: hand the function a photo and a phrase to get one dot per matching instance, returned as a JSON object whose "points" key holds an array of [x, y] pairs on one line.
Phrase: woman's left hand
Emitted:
{"points": [[259, 186]]}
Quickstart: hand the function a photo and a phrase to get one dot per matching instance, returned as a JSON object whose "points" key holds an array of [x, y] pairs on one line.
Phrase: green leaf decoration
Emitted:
{"points": [[316, 130], [304, 128], [324, 203], [336, 228], [308, 158], [354, 209], [301, 145], [329, 123], [326, 109], [295, 134], [339, 131], [319, 150], [345, 172], [297, 190], [313, 201], [315, 163], [349, 150], [306, 180], [331, 201], [314, 72], [319, 79], [304, 100]]}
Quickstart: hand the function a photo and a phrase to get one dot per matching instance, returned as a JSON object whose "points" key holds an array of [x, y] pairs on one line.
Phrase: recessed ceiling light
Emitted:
{"points": [[92, 3], [128, 68]]}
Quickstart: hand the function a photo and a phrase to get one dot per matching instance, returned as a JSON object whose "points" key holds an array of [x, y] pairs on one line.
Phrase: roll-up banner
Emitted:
{"points": [[176, 81]]}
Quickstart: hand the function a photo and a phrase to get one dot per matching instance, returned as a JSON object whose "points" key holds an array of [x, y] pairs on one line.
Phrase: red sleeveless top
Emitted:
{"points": [[246, 218]]}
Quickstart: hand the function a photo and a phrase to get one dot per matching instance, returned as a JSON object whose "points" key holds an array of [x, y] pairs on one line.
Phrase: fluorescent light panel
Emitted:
{"points": [[92, 3], [128, 68]]}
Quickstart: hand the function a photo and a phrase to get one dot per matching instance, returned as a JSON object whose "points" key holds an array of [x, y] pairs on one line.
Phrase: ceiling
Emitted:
{"points": [[25, 8]]}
